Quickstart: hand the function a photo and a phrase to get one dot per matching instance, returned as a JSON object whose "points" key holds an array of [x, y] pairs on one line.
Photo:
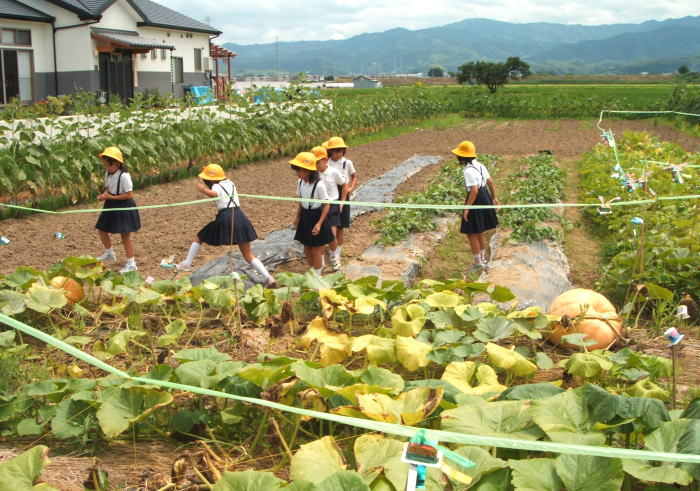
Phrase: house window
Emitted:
{"points": [[197, 60], [154, 54], [178, 73], [17, 37], [163, 54], [144, 56]]}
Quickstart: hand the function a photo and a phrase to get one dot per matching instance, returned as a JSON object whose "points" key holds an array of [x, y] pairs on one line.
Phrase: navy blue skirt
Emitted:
{"points": [[480, 220], [307, 222], [345, 214], [121, 221], [333, 217], [222, 232]]}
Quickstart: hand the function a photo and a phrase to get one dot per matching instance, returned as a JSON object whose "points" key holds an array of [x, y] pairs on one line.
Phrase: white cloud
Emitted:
{"points": [[264, 20]]}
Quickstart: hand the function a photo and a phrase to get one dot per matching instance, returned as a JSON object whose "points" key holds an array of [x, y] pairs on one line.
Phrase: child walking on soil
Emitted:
{"points": [[312, 228], [337, 190], [230, 227], [476, 221], [118, 193], [337, 149]]}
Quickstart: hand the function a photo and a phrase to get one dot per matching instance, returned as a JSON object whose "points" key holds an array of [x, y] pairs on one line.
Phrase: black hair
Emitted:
{"points": [[313, 174], [209, 183], [112, 160], [340, 148], [465, 160]]}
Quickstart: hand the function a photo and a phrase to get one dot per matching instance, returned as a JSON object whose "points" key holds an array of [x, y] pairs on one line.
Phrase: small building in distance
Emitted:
{"points": [[365, 82]]}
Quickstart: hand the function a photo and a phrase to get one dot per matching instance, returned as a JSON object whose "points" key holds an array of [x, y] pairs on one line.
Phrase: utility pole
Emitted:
{"points": [[277, 56]]}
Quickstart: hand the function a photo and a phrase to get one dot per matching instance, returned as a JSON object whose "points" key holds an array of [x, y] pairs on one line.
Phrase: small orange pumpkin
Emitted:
{"points": [[588, 312], [73, 290]]}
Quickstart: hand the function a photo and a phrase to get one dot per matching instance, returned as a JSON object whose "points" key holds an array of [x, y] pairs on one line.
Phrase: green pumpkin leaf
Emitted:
{"points": [[587, 365], [535, 475], [173, 332], [383, 378], [118, 343], [647, 388], [502, 419], [248, 480], [346, 480], [485, 463], [194, 354], [530, 391], [666, 473], [123, 407], [544, 362], [11, 302], [72, 419], [587, 473], [500, 293], [44, 299], [565, 418], [494, 329], [23, 470], [316, 461], [320, 378], [378, 456]]}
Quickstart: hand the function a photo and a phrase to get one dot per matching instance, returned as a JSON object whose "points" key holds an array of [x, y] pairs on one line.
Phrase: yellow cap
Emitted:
{"points": [[320, 152], [335, 142], [305, 160], [325, 144], [465, 149], [113, 152], [212, 172]]}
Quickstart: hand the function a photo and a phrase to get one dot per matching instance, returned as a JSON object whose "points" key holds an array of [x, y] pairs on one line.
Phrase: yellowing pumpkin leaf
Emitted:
{"points": [[317, 460], [510, 360], [408, 320], [443, 299], [409, 408], [412, 354], [473, 379], [365, 305], [379, 350]]}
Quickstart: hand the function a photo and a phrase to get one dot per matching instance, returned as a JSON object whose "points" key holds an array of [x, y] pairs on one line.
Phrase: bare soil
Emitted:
{"points": [[168, 231]]}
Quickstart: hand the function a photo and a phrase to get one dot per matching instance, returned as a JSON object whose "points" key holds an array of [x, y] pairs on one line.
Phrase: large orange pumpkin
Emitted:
{"points": [[588, 312], [73, 290]]}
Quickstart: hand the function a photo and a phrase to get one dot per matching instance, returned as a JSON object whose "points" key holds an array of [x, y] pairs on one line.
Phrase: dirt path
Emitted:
{"points": [[169, 231]]}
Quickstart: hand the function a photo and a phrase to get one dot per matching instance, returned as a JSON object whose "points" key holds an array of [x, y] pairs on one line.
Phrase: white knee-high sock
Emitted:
{"points": [[318, 271], [483, 256], [477, 258], [260, 268], [194, 249], [337, 251]]}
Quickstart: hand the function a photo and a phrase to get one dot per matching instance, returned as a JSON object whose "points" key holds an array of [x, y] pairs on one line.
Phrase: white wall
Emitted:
{"points": [[41, 47], [184, 48]]}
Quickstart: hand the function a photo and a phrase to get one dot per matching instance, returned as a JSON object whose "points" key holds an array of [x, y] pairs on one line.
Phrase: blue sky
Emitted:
{"points": [[261, 21]]}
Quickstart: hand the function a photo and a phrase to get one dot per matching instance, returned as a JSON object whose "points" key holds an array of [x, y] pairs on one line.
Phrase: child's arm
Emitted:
{"points": [[353, 181], [473, 192], [296, 219], [112, 197], [343, 194], [324, 214], [492, 190], [206, 191]]}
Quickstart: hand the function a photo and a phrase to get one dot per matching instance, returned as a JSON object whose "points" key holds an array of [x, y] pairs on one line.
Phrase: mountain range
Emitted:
{"points": [[652, 46]]}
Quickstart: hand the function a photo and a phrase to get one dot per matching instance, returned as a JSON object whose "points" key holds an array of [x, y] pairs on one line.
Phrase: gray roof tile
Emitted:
{"points": [[156, 15], [12, 9]]}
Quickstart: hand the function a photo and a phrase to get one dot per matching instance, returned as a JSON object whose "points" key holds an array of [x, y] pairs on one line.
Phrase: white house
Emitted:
{"points": [[123, 47]]}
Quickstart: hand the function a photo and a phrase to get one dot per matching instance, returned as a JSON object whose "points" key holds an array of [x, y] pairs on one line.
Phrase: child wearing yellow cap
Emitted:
{"points": [[312, 228], [337, 149], [230, 226], [478, 220], [337, 190], [118, 193]]}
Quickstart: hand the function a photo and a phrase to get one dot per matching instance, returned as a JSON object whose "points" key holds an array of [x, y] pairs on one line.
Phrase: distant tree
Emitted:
{"points": [[436, 71], [683, 69], [493, 75]]}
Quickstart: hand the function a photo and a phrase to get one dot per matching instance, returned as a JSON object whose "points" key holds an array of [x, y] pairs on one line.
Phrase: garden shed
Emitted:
{"points": [[365, 82]]}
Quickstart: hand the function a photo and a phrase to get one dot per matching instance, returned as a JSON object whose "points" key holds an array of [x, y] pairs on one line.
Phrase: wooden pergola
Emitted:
{"points": [[221, 81]]}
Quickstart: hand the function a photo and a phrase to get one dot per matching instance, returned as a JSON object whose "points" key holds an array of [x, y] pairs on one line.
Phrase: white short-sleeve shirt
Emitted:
{"points": [[119, 180], [225, 189], [304, 191], [475, 174], [345, 167], [332, 178]]}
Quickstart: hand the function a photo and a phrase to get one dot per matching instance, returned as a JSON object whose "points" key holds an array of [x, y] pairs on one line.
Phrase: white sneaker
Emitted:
{"points": [[183, 266], [127, 268], [107, 256], [335, 263]]}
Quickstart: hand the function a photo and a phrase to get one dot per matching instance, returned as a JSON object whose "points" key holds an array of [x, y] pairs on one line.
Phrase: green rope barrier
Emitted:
{"points": [[388, 428]]}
